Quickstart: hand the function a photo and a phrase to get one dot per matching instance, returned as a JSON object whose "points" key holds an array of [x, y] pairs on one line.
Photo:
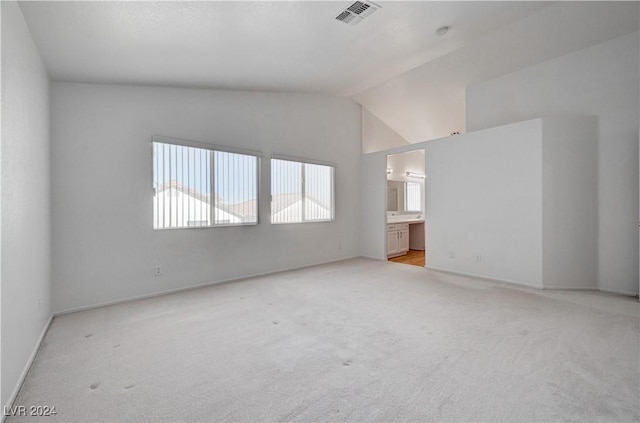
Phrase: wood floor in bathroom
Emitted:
{"points": [[413, 257]]}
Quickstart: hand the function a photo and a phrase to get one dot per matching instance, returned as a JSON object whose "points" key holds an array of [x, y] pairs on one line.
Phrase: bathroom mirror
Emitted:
{"points": [[392, 199], [395, 196]]}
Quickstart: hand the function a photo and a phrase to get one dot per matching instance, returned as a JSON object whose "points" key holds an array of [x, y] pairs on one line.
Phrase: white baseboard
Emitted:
{"points": [[27, 367], [189, 288], [545, 288], [381, 258], [619, 292], [472, 275], [569, 288]]}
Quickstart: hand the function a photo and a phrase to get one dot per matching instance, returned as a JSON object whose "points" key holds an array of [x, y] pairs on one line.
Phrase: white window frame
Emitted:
{"points": [[212, 148], [304, 161]]}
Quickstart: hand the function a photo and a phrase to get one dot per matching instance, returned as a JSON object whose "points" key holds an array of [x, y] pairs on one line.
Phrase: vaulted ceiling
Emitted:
{"points": [[282, 46], [429, 101], [392, 63]]}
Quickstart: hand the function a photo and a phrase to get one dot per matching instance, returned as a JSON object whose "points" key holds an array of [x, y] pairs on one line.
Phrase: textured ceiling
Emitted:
{"points": [[429, 101], [282, 46]]}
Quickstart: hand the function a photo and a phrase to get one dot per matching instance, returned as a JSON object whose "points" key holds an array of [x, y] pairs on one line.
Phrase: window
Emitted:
{"points": [[301, 191], [413, 197], [202, 186]]}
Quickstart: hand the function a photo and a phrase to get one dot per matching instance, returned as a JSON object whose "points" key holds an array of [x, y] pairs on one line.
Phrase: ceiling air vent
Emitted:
{"points": [[356, 12]]}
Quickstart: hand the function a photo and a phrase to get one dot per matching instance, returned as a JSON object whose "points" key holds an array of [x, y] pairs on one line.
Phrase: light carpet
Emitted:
{"points": [[358, 340]]}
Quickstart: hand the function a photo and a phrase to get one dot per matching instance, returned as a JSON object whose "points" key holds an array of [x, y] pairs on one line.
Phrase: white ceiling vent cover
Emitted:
{"points": [[356, 12]]}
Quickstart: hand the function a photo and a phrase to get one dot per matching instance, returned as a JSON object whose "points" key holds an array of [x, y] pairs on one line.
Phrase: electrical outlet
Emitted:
{"points": [[157, 271], [452, 255], [478, 259]]}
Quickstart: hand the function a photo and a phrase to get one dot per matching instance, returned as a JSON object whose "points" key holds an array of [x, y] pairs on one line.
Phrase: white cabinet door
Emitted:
{"points": [[403, 241], [392, 242]]}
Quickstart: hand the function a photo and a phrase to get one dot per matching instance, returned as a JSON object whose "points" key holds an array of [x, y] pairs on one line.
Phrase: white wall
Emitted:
{"points": [[417, 105], [26, 220], [104, 246], [601, 81], [377, 135], [520, 196], [484, 198], [373, 206], [569, 181]]}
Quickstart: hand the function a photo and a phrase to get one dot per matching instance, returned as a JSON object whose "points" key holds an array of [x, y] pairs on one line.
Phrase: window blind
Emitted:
{"points": [[301, 191], [413, 197], [203, 187]]}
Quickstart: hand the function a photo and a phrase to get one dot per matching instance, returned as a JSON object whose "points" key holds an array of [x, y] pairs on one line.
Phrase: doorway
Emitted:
{"points": [[405, 194]]}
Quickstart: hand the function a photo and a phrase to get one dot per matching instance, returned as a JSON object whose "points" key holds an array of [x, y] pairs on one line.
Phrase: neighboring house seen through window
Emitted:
{"points": [[301, 191], [202, 186]]}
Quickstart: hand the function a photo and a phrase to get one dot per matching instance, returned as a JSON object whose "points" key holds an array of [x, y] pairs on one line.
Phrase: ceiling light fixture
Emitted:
{"points": [[442, 30], [415, 175]]}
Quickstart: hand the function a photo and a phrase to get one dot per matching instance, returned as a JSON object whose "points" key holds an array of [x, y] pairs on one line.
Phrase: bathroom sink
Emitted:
{"points": [[405, 219]]}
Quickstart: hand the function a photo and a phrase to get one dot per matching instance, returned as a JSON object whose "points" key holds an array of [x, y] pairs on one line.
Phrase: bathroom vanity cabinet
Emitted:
{"points": [[397, 239]]}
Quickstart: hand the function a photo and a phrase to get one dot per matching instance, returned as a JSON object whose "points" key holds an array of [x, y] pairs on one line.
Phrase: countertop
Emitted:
{"points": [[404, 219]]}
